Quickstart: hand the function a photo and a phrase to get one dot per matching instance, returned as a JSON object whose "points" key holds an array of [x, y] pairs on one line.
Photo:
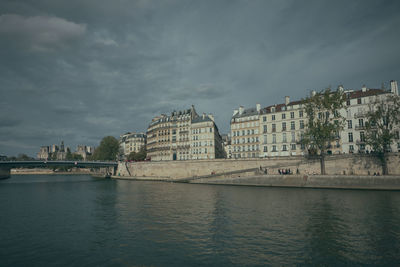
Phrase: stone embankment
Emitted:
{"points": [[38, 171], [344, 171], [310, 181]]}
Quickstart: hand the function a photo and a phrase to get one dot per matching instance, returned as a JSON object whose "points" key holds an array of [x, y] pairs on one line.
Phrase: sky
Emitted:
{"points": [[79, 70]]}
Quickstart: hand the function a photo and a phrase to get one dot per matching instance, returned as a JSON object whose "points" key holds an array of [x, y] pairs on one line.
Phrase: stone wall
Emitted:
{"points": [[4, 173], [312, 181], [356, 164]]}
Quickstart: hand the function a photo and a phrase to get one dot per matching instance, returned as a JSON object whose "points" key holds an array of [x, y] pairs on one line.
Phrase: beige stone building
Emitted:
{"points": [[131, 142], [206, 140], [169, 137], [359, 102], [281, 126], [245, 132]]}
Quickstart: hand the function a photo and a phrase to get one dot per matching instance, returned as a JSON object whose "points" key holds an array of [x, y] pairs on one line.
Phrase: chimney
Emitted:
{"points": [[203, 116], [340, 88], [235, 112], [287, 100], [313, 93], [258, 106], [241, 109], [364, 88], [393, 87]]}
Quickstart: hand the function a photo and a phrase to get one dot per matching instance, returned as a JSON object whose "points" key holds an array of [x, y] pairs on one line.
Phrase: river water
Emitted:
{"points": [[84, 221]]}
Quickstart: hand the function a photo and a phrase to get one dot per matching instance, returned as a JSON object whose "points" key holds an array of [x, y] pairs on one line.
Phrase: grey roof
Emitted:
{"points": [[201, 119], [247, 112]]}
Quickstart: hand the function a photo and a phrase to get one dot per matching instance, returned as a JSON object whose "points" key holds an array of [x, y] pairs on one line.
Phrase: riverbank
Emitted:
{"points": [[42, 171], [297, 181]]}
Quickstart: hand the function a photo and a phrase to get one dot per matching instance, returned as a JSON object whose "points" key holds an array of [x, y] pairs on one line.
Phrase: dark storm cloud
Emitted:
{"points": [[79, 70]]}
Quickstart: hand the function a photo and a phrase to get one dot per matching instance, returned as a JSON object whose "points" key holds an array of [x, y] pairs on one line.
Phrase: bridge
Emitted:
{"points": [[6, 166]]}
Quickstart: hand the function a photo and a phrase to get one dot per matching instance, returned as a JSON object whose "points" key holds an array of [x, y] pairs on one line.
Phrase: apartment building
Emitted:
{"points": [[206, 140], [226, 142], [281, 126], [245, 132], [131, 142], [183, 135], [359, 102]]}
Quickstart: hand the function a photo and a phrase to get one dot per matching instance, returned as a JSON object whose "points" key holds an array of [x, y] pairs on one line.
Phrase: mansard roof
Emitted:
{"points": [[200, 118], [247, 112]]}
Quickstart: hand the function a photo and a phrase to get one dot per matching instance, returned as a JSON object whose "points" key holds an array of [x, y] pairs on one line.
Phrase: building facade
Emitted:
{"points": [[84, 151], [206, 141], [358, 103], [245, 132], [176, 137], [281, 126], [131, 142]]}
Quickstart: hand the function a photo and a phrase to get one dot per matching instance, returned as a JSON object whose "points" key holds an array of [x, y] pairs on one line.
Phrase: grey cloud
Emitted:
{"points": [[128, 61], [40, 32]]}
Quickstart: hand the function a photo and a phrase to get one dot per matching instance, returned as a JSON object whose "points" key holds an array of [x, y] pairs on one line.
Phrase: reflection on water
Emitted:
{"points": [[79, 220]]}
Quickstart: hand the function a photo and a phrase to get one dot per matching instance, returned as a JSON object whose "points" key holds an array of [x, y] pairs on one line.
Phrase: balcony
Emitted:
{"points": [[359, 127], [360, 142], [360, 115]]}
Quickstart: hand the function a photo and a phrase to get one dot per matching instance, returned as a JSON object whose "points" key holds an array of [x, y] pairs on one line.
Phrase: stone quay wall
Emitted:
{"points": [[310, 181], [345, 164]]}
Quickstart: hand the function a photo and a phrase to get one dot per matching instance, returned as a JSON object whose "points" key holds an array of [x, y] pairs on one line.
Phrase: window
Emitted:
{"points": [[284, 138], [358, 100], [265, 128], [361, 122], [292, 115], [283, 116], [293, 147], [265, 139], [265, 149], [243, 132], [273, 148], [362, 137], [348, 102], [283, 126], [350, 137], [293, 137], [301, 114], [301, 124], [248, 132], [274, 127], [265, 118], [284, 148], [351, 148], [349, 124], [274, 138], [252, 131], [292, 125], [273, 117], [210, 130]]}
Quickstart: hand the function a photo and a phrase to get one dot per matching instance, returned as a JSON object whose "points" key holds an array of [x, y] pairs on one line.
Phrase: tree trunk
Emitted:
{"points": [[322, 162]]}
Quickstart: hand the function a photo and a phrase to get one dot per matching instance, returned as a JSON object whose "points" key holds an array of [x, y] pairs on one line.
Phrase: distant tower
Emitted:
{"points": [[393, 87], [62, 147]]}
